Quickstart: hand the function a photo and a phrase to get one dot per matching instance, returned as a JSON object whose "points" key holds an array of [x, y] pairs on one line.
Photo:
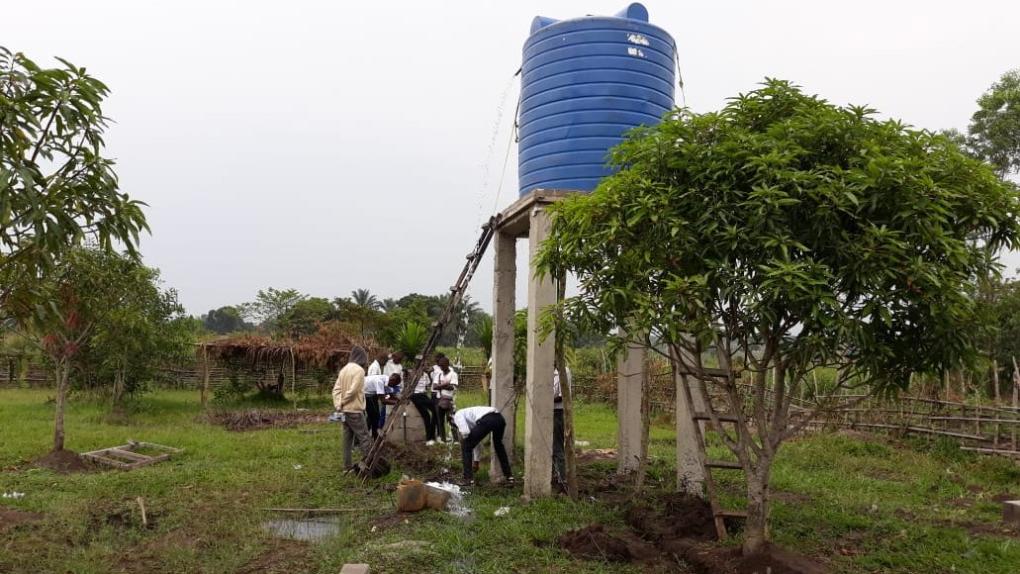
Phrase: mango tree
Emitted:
{"points": [[783, 234]]}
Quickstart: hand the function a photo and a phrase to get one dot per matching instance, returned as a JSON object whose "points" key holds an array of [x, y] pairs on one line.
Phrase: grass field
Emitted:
{"points": [[860, 505]]}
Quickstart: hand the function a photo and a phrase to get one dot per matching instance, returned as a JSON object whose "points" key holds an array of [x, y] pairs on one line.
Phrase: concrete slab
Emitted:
{"points": [[354, 569], [1011, 512]]}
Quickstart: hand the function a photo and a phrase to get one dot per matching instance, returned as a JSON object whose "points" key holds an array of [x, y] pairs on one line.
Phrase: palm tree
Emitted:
{"points": [[389, 305], [364, 298]]}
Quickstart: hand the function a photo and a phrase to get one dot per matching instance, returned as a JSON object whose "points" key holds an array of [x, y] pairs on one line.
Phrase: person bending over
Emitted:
{"points": [[473, 424]]}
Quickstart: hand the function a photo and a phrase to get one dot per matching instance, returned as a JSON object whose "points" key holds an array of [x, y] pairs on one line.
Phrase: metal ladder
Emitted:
{"points": [[456, 295], [719, 514]]}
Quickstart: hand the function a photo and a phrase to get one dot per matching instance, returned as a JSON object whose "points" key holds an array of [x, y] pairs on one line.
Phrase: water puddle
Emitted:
{"points": [[306, 529]]}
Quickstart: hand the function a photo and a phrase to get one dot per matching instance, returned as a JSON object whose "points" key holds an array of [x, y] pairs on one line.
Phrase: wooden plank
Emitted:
{"points": [[107, 461], [723, 417], [727, 464], [132, 456]]}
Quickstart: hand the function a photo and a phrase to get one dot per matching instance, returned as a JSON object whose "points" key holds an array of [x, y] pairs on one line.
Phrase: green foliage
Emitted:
{"points": [[269, 305], [364, 298], [305, 316], [56, 187], [995, 127], [227, 319], [411, 339], [785, 218], [483, 330], [146, 329]]}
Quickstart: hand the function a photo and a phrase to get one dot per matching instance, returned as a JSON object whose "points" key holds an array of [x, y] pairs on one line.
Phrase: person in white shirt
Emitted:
{"points": [[473, 424], [376, 367], [393, 365], [375, 389], [559, 456], [444, 386], [423, 403]]}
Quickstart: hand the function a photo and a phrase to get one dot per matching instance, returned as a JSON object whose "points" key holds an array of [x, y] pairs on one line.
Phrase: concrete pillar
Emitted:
{"points": [[503, 309], [690, 473], [630, 374], [538, 423]]}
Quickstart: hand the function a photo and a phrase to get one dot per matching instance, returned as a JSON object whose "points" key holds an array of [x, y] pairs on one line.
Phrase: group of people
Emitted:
{"points": [[363, 390]]}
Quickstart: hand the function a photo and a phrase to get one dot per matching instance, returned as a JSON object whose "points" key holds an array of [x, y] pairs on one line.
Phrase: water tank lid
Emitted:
{"points": [[633, 11]]}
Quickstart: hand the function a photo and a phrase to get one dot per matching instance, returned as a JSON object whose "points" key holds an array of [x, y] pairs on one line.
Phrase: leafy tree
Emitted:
{"points": [[227, 319], [995, 128], [87, 287], [366, 319], [271, 304], [364, 298], [305, 316], [147, 329], [784, 234], [56, 187]]}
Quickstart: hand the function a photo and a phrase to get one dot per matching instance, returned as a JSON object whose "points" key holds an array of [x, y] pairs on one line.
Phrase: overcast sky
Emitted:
{"points": [[328, 146]]}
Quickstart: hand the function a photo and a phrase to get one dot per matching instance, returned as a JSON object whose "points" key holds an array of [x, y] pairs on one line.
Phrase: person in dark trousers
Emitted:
{"points": [[473, 424], [423, 403], [559, 454], [375, 390], [444, 386], [349, 400]]}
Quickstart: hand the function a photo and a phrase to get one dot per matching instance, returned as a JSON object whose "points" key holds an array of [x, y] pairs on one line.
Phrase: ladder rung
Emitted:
{"points": [[724, 417], [723, 464], [732, 513]]}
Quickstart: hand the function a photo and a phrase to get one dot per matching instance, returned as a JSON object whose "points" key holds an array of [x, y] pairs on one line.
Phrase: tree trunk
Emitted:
{"points": [[62, 373], [995, 381], [756, 527], [118, 387]]}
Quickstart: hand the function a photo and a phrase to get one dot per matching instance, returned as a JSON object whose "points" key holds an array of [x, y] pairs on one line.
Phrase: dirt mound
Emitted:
{"points": [[671, 517], [11, 518], [595, 543], [708, 558], [256, 419], [63, 461], [419, 461]]}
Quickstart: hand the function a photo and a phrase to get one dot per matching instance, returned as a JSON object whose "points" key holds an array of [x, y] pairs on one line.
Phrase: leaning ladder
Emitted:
{"points": [[456, 295], [719, 514]]}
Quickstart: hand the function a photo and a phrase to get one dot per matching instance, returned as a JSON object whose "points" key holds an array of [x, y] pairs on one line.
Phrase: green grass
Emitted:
{"points": [[861, 505]]}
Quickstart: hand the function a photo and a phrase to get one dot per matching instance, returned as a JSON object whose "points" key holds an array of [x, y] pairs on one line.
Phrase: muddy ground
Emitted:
{"points": [[676, 530]]}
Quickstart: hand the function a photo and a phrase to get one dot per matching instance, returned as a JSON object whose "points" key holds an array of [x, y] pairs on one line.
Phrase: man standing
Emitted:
{"points": [[444, 387], [474, 424], [349, 399]]}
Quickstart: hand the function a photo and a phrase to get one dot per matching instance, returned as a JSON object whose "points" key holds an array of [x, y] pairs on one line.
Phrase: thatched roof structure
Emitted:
{"points": [[329, 348]]}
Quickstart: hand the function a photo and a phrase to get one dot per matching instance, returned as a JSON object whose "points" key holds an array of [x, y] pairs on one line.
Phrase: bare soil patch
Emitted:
{"points": [[11, 518], [595, 542], [63, 462], [258, 419], [672, 517], [282, 556], [707, 558]]}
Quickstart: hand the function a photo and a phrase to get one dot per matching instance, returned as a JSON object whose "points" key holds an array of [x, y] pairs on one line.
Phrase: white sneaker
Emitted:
{"points": [[430, 443]]}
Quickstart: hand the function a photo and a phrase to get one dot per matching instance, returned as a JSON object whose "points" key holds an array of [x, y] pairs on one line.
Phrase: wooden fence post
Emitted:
{"points": [[205, 374]]}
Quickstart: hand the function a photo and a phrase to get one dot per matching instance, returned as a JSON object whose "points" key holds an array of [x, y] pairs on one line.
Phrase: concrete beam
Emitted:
{"points": [[690, 472], [630, 378], [538, 423], [504, 307]]}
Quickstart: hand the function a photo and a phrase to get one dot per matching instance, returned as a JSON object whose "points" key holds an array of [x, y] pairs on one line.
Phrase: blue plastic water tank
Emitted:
{"points": [[585, 82]]}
